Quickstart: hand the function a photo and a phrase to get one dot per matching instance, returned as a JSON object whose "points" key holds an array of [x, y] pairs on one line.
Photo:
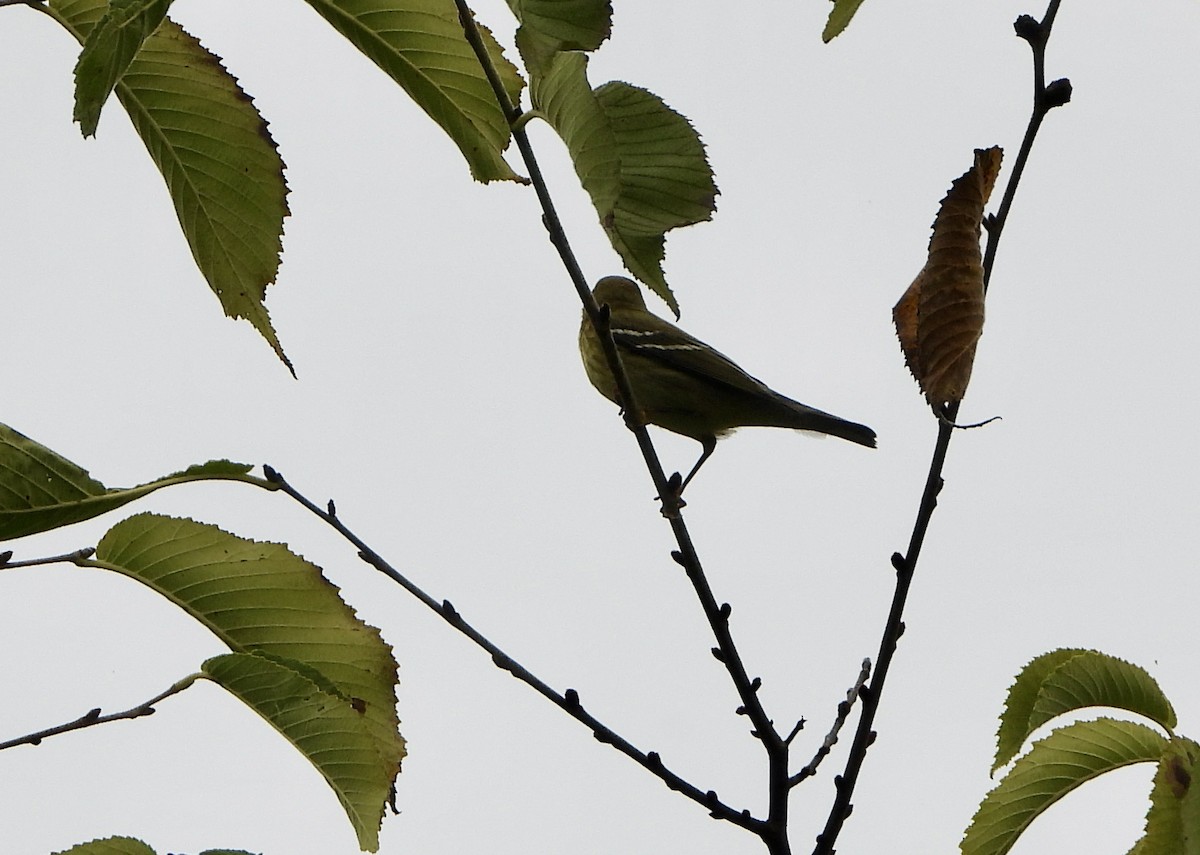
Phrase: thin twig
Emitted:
{"points": [[775, 829], [94, 717], [1046, 97], [831, 738], [78, 555], [567, 700]]}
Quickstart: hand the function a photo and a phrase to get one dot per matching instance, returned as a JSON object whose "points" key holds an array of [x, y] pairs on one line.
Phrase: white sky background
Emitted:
{"points": [[441, 402]]}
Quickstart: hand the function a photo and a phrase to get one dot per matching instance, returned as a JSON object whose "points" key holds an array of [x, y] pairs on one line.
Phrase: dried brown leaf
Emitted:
{"points": [[940, 317]]}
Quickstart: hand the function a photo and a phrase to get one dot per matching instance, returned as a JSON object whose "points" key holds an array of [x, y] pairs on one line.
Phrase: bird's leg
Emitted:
{"points": [[710, 445], [674, 500]]}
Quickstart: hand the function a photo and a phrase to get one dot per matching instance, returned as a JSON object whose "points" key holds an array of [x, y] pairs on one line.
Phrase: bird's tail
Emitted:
{"points": [[852, 431], [803, 417]]}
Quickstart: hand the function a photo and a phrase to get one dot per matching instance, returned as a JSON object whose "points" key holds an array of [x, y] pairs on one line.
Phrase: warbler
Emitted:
{"points": [[687, 387]]}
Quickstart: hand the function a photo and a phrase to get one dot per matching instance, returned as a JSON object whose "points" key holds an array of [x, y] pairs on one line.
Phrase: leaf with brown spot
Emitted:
{"points": [[940, 317]]}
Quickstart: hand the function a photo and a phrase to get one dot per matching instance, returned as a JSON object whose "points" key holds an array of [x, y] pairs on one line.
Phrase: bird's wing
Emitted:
{"points": [[656, 339]]}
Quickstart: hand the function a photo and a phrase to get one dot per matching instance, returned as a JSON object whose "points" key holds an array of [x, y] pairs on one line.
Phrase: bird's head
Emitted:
{"points": [[619, 293]]}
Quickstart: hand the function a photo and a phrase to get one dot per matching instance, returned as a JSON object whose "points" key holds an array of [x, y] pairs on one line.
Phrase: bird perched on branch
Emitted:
{"points": [[685, 386]]}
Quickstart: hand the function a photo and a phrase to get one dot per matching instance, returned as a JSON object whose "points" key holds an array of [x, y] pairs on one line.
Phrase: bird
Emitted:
{"points": [[687, 387]]}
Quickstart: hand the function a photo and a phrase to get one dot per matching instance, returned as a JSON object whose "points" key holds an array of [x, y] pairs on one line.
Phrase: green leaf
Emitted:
{"points": [[420, 45], [1094, 679], [325, 727], [573, 24], [1021, 700], [1173, 821], [110, 47], [1053, 767], [642, 163], [551, 26], [130, 846], [839, 18], [262, 598], [39, 490], [216, 155], [110, 846], [1065, 680]]}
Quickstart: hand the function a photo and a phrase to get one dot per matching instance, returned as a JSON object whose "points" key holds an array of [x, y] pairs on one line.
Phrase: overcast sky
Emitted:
{"points": [[441, 402]]}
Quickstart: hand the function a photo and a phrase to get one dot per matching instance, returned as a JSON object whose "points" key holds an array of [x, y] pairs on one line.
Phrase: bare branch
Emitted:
{"points": [[831, 738], [1045, 98], [567, 700], [94, 717]]}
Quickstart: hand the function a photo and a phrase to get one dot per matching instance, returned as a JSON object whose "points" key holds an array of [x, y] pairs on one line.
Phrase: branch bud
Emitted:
{"points": [[1056, 93], [1028, 28]]}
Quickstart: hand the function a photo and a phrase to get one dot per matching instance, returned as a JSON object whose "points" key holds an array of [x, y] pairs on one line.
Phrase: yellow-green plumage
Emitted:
{"points": [[684, 385]]}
